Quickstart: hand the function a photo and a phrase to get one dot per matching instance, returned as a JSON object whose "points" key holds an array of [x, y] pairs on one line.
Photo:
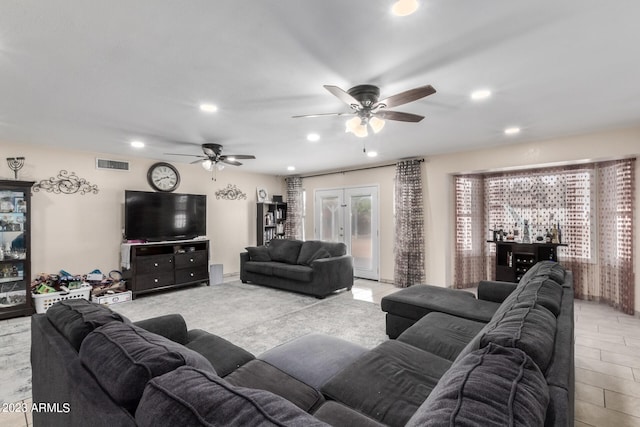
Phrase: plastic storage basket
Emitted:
{"points": [[43, 301]]}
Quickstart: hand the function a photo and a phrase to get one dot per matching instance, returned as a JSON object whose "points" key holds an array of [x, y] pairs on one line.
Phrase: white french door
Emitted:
{"points": [[350, 215]]}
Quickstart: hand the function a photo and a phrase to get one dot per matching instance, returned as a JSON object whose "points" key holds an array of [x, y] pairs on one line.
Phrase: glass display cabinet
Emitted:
{"points": [[15, 248]]}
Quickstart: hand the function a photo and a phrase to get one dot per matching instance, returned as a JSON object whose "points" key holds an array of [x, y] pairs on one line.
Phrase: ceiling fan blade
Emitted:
{"points": [[187, 155], [231, 162], [398, 115], [405, 97], [343, 96], [197, 161], [323, 114], [237, 156]]}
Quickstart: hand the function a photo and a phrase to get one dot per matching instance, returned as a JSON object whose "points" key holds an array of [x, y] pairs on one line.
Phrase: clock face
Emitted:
{"points": [[163, 177]]}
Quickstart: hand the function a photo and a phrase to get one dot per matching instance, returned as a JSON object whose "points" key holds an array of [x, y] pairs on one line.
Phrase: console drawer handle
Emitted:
{"points": [[191, 274], [155, 264], [190, 259], [155, 280]]}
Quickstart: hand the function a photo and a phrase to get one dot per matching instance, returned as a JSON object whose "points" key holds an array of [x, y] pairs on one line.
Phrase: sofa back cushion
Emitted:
{"points": [[540, 290], [123, 358], [547, 269], [285, 250], [77, 318], [335, 248], [192, 397], [527, 326], [493, 386]]}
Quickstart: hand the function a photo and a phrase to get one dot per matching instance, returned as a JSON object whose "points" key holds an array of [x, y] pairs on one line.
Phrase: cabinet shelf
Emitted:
{"points": [[270, 219], [514, 259], [15, 248], [157, 266]]}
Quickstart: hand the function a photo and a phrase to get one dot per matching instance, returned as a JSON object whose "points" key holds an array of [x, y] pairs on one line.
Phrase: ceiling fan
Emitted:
{"points": [[369, 110], [213, 157]]}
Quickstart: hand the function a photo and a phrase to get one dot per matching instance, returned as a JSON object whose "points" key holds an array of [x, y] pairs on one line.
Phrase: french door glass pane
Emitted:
{"points": [[361, 243], [330, 219]]}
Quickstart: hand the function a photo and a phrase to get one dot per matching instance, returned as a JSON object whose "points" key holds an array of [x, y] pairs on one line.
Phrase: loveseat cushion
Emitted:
{"points": [[285, 250], [388, 383], [293, 272], [336, 414], [192, 397], [546, 269], [170, 326], [493, 386], [307, 250], [441, 334], [542, 290], [258, 374], [77, 318], [123, 358], [258, 267], [258, 253], [527, 326], [335, 248]]}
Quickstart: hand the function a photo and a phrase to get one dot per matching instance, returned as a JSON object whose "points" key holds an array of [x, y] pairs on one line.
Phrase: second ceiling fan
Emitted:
{"points": [[369, 110]]}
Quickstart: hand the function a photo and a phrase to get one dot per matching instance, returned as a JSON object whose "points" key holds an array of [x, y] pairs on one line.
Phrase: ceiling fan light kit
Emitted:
{"points": [[368, 110]]}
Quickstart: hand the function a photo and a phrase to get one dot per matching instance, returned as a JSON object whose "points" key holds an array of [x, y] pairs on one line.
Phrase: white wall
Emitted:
{"points": [[79, 233], [439, 185]]}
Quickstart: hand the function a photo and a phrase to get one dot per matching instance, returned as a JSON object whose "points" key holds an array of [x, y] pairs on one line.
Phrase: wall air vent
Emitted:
{"points": [[118, 165]]}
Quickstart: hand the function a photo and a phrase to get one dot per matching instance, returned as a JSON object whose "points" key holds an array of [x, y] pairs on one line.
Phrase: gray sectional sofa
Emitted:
{"points": [[311, 267], [515, 369]]}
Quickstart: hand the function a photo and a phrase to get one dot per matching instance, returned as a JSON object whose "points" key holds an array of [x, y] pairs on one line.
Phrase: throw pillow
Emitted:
{"points": [[319, 254], [493, 386], [258, 253], [192, 397], [307, 250], [123, 358], [77, 318]]}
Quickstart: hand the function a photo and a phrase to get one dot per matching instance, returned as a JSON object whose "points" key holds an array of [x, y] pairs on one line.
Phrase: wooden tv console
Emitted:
{"points": [[156, 266]]}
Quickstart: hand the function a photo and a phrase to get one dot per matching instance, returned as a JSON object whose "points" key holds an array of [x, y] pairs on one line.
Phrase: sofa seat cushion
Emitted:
{"points": [[301, 273], [77, 318], [261, 375], [224, 356], [526, 326], [336, 414], [493, 386], [258, 253], [441, 334], [388, 383], [192, 397], [418, 300], [259, 267], [285, 250], [313, 358], [123, 358]]}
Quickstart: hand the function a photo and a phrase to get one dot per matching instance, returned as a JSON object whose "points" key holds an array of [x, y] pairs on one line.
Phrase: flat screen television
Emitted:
{"points": [[156, 217]]}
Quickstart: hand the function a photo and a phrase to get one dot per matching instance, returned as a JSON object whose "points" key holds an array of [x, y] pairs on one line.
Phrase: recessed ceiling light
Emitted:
{"points": [[208, 108], [291, 168], [404, 7], [137, 144], [480, 94], [372, 153], [512, 131], [313, 137]]}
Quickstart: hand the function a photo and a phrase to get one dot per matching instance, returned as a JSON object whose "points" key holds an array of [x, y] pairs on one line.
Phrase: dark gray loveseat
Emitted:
{"points": [[517, 369], [312, 267]]}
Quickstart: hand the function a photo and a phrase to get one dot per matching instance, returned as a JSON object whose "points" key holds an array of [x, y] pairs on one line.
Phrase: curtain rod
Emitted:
{"points": [[357, 169]]}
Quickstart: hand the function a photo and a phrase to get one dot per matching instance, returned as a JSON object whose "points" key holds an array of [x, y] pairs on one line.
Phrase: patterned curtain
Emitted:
{"points": [[616, 189], [470, 263], [293, 225], [409, 225], [592, 204]]}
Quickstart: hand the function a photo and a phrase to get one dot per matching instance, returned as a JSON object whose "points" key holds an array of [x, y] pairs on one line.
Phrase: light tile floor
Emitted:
{"points": [[607, 359]]}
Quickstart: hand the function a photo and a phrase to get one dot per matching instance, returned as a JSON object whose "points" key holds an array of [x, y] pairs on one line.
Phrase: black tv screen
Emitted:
{"points": [[157, 217]]}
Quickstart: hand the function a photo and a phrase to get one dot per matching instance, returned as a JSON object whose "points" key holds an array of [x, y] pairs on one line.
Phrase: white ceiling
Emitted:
{"points": [[95, 74]]}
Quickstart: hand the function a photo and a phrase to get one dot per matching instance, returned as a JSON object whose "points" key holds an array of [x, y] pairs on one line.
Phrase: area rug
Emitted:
{"points": [[254, 317]]}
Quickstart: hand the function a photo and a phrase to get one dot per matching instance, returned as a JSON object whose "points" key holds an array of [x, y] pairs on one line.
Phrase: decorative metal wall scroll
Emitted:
{"points": [[66, 183], [15, 164], [230, 192]]}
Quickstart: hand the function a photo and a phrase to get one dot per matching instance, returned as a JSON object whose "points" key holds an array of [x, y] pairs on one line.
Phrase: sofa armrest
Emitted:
{"points": [[171, 326], [334, 270], [495, 291]]}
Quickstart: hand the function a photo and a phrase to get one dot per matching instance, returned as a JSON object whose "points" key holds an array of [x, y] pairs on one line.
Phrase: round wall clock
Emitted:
{"points": [[163, 177]]}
